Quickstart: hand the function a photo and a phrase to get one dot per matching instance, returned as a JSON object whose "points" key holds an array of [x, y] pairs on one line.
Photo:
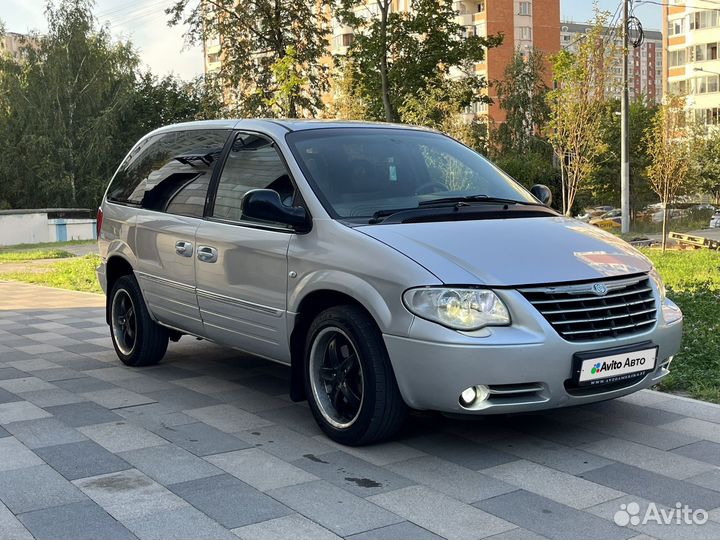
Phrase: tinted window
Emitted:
{"points": [[359, 171], [253, 163], [170, 172]]}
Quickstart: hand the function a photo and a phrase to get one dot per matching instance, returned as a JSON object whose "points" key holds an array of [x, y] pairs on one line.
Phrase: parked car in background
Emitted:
{"points": [[389, 267], [610, 220], [591, 213], [715, 221]]}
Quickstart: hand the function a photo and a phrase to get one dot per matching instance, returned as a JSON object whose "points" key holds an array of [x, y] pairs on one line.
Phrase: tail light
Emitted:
{"points": [[99, 221]]}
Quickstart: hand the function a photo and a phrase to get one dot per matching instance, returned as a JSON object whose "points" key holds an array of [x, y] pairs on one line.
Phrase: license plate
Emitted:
{"points": [[617, 367]]}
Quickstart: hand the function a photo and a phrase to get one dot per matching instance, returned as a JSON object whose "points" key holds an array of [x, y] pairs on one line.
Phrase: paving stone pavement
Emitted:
{"points": [[208, 445]]}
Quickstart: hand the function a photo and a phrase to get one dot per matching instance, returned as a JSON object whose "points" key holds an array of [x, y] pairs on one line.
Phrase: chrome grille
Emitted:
{"points": [[582, 313]]}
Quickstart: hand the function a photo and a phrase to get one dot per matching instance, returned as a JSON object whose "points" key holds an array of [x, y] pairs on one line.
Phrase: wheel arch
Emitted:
{"points": [[116, 266]]}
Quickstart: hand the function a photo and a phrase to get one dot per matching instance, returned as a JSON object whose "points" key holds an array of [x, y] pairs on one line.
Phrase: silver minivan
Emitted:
{"points": [[390, 267]]}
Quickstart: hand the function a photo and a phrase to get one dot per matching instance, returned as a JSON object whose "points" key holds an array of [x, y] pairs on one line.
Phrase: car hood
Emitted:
{"points": [[510, 252]]}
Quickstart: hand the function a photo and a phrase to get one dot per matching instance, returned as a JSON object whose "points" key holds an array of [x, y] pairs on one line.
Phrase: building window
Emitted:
{"points": [[704, 19], [525, 8], [708, 117], [676, 27], [343, 40], [481, 7], [676, 58], [525, 33]]}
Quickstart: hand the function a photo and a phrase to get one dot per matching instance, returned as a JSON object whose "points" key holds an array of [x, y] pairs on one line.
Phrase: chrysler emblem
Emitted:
{"points": [[600, 289]]}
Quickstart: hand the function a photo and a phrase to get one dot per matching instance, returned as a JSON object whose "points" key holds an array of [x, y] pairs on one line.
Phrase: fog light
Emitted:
{"points": [[468, 396], [474, 394]]}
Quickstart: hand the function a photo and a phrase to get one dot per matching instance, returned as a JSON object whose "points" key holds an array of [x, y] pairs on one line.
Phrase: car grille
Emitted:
{"points": [[582, 313]]}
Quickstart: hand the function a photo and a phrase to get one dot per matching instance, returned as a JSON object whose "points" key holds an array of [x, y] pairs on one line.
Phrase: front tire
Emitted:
{"points": [[137, 339], [349, 380]]}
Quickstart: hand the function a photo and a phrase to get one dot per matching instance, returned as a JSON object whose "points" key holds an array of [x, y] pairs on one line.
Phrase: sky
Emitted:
{"points": [[164, 50]]}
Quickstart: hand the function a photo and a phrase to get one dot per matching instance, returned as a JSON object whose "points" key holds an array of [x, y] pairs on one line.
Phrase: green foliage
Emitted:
{"points": [[75, 105], [77, 273], [522, 94], [707, 159], [256, 39], [402, 59], [33, 255], [693, 282], [576, 107]]}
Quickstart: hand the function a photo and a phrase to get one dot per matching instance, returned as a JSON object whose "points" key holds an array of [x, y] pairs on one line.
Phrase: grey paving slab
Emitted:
{"points": [[169, 464], [34, 488], [380, 454], [463, 484], [182, 399], [553, 484], [201, 439], [7, 373], [121, 436], [129, 494], [44, 432], [285, 443], [116, 398], [185, 523], [81, 459], [706, 451], [667, 463], [551, 454], [15, 455], [229, 501], [77, 521], [9, 397], [690, 407], [143, 384], [459, 450], [18, 411], [399, 531], [228, 418], [653, 486], [32, 365], [352, 474], [77, 362], [155, 416], [710, 480], [290, 527], [83, 414], [440, 514], [259, 469], [251, 400], [334, 508], [205, 384], [51, 398], [84, 384], [25, 384], [296, 417], [701, 429], [168, 372], [10, 527], [550, 518]]}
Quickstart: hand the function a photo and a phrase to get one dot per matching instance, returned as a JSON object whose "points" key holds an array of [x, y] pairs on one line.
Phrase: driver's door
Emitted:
{"points": [[241, 265]]}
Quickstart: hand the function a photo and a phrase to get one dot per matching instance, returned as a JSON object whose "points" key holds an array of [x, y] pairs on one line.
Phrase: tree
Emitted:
{"points": [[576, 107], [399, 56], [271, 51], [604, 186], [708, 164], [522, 94], [60, 111], [669, 140]]}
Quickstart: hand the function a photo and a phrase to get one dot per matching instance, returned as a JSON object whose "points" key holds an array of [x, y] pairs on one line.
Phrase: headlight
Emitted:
{"points": [[459, 309], [655, 276]]}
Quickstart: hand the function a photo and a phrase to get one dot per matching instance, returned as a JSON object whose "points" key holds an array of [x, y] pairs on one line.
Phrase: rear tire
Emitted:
{"points": [[137, 339], [349, 381]]}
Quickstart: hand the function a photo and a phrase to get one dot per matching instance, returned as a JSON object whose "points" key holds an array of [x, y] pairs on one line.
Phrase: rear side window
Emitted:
{"points": [[170, 172]]}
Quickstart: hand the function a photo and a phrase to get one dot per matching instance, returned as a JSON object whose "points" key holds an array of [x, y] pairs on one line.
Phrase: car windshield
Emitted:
{"points": [[357, 172]]}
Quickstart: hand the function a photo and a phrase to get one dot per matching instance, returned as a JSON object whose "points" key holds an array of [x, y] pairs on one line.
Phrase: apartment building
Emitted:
{"points": [[645, 62], [12, 43], [690, 49]]}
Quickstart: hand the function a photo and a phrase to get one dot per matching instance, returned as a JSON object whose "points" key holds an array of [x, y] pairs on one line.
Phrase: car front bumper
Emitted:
{"points": [[526, 366]]}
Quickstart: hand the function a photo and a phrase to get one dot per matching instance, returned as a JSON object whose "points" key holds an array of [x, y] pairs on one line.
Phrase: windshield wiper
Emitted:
{"points": [[378, 216], [475, 198]]}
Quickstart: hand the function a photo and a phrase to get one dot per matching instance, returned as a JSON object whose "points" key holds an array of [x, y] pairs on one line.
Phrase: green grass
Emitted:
{"points": [[693, 282], [46, 245], [77, 273], [33, 255]]}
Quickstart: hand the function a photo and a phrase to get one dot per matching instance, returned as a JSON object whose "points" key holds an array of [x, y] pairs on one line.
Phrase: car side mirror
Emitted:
{"points": [[266, 205], [542, 193]]}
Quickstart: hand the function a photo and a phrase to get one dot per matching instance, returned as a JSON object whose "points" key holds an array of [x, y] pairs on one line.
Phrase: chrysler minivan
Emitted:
{"points": [[390, 267]]}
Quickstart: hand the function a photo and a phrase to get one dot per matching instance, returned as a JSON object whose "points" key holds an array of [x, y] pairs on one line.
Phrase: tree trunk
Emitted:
{"points": [[664, 227], [389, 113]]}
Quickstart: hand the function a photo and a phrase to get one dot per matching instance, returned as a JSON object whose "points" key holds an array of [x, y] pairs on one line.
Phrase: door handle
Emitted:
{"points": [[184, 249], [207, 254]]}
